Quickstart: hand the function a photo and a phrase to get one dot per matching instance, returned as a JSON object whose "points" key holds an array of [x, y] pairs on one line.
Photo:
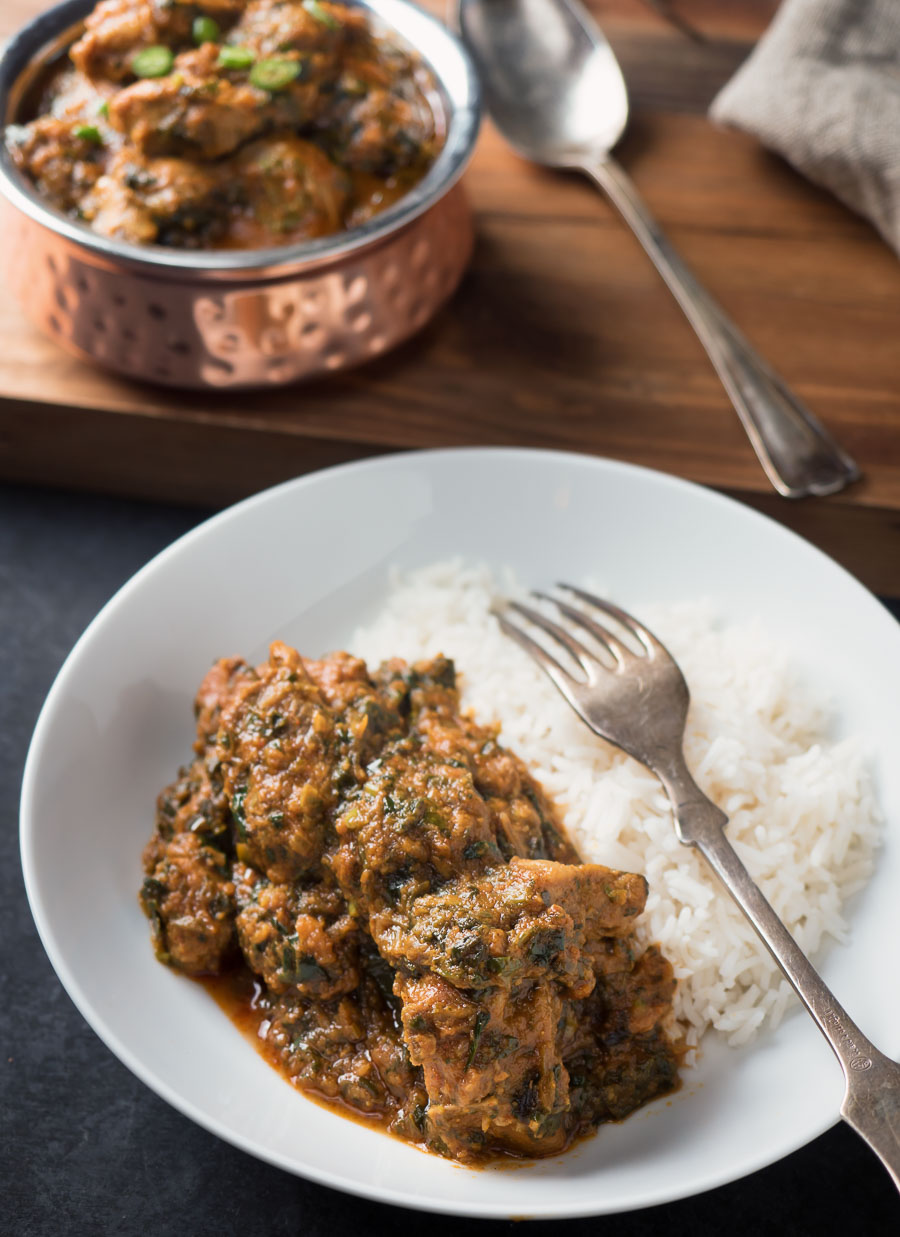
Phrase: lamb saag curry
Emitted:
{"points": [[430, 951]]}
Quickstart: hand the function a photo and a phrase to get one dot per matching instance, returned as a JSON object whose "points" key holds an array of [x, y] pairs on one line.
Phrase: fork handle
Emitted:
{"points": [[798, 454], [872, 1097]]}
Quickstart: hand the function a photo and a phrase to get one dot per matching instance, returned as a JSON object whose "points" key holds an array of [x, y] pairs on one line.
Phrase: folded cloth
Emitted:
{"points": [[822, 88]]}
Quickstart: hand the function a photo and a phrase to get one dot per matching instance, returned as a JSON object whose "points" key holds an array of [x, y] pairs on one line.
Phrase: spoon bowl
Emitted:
{"points": [[550, 79]]}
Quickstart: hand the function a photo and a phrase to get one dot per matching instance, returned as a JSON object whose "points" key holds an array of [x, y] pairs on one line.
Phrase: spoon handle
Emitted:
{"points": [[798, 454]]}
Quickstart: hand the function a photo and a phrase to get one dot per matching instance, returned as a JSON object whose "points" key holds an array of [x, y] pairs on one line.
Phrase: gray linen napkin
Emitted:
{"points": [[822, 88]]}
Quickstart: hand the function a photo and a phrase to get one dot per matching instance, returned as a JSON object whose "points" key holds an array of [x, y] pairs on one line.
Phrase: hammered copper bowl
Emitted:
{"points": [[244, 318]]}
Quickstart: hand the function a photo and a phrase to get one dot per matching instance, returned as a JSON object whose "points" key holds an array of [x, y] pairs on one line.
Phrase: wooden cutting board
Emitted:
{"points": [[562, 334]]}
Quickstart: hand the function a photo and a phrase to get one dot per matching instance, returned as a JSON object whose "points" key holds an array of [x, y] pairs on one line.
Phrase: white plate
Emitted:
{"points": [[307, 562]]}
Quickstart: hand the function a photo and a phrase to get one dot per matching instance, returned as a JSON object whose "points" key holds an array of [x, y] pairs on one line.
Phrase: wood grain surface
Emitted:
{"points": [[562, 334]]}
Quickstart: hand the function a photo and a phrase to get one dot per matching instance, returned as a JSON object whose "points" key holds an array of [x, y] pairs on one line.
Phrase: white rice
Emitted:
{"points": [[802, 813]]}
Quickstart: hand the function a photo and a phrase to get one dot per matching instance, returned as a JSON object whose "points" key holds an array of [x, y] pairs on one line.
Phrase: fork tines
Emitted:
{"points": [[617, 649]]}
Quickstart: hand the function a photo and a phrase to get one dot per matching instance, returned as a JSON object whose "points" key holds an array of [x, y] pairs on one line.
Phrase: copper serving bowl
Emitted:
{"points": [[243, 318]]}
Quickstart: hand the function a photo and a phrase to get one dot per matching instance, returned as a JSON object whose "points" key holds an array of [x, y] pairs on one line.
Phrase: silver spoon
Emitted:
{"points": [[555, 91]]}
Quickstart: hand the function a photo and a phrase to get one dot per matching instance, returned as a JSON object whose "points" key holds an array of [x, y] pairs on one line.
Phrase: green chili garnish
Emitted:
{"points": [[103, 109], [153, 61], [89, 133], [235, 57], [321, 14], [205, 30], [274, 75]]}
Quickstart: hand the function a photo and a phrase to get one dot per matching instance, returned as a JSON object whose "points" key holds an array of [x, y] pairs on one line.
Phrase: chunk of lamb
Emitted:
{"points": [[188, 893], [493, 1072], [217, 686], [348, 1048], [379, 121], [113, 32], [287, 188], [523, 819], [368, 719], [198, 111], [485, 969], [520, 921], [297, 939], [615, 1043], [146, 201], [195, 802], [58, 158], [416, 822], [276, 747], [117, 29], [273, 27], [189, 899]]}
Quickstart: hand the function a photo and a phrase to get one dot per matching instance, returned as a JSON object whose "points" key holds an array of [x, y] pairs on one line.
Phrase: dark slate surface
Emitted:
{"points": [[87, 1149]]}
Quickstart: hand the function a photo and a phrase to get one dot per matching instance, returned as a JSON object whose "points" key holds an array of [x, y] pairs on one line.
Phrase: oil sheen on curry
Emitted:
{"points": [[228, 123], [428, 950]]}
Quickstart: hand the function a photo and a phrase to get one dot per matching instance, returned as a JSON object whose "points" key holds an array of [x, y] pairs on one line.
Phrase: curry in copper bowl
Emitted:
{"points": [[230, 124]]}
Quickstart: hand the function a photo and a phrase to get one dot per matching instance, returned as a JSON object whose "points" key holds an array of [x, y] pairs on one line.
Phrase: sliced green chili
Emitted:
{"points": [[153, 61], [321, 14], [205, 30], [274, 75], [89, 133], [235, 57]]}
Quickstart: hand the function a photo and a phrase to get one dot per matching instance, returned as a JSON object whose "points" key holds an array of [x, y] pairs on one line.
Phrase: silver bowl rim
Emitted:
{"points": [[438, 47]]}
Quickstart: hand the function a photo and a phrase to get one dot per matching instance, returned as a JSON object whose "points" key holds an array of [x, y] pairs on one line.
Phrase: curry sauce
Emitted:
{"points": [[426, 948]]}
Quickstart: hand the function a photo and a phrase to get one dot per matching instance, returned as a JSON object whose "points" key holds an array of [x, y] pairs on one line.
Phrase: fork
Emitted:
{"points": [[638, 701]]}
